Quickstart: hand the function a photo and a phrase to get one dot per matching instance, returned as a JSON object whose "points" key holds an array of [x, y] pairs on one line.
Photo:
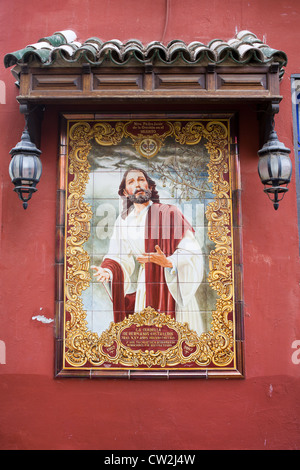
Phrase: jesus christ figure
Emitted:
{"points": [[156, 239]]}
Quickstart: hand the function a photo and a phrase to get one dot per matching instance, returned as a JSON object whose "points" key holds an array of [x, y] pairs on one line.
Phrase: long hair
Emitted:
{"points": [[126, 202]]}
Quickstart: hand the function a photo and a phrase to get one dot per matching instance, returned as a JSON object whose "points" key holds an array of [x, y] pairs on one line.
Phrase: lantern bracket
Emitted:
{"points": [[33, 115], [266, 115]]}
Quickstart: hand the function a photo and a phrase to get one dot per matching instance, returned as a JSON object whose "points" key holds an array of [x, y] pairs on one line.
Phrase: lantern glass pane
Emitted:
{"points": [[263, 168], [286, 168], [26, 168], [15, 166], [11, 169], [275, 165], [39, 168]]}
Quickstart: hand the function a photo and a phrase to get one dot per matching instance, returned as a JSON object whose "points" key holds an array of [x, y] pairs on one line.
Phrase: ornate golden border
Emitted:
{"points": [[84, 348]]}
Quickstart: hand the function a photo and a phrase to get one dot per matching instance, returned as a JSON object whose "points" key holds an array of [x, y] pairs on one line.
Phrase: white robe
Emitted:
{"points": [[183, 279]]}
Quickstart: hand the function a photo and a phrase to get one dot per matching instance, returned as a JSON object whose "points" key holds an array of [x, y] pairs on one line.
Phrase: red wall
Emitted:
{"points": [[40, 412]]}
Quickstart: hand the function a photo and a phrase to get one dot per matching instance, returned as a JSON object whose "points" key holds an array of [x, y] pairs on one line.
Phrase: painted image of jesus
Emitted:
{"points": [[156, 240]]}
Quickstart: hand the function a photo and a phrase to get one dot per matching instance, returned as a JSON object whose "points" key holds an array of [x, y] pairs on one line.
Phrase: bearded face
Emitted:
{"points": [[140, 196], [137, 189]]}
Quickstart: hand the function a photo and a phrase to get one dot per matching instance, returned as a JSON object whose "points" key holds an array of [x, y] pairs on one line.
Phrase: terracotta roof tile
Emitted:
{"points": [[63, 48]]}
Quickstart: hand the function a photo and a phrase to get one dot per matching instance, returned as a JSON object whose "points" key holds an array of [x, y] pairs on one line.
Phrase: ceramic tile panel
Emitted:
{"points": [[152, 258]]}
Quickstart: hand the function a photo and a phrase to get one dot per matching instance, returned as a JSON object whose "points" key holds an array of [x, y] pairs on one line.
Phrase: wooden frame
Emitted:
{"points": [[75, 357]]}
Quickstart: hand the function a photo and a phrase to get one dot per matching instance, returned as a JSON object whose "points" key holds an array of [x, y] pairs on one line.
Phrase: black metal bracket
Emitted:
{"points": [[33, 115], [266, 115]]}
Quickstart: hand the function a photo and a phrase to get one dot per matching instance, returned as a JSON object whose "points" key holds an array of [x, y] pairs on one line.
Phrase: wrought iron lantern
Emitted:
{"points": [[25, 168], [274, 168]]}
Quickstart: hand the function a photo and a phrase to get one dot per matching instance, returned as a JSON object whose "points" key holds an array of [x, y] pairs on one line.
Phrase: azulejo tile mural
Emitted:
{"points": [[149, 217]]}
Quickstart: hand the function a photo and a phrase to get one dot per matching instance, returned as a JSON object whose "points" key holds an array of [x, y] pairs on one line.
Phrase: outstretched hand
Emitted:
{"points": [[158, 257], [101, 274]]}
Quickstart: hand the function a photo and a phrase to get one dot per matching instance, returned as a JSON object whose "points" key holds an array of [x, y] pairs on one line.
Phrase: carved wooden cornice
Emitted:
{"points": [[60, 69]]}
